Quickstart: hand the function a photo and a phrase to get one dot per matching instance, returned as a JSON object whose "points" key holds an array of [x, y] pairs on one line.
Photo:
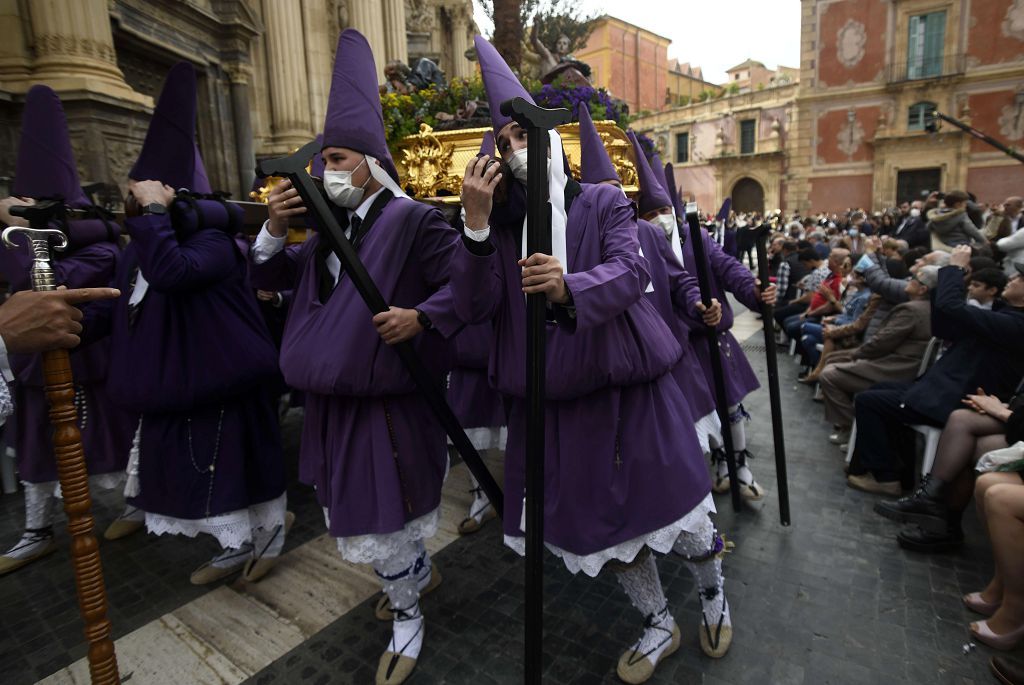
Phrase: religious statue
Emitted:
{"points": [[399, 78], [558, 63]]}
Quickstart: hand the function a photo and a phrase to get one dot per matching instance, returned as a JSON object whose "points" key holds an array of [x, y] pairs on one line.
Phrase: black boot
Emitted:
{"points": [[926, 507], [917, 539]]}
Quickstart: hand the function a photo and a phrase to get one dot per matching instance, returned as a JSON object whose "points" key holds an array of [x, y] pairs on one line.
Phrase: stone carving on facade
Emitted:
{"points": [[851, 42], [73, 45], [1013, 22], [850, 136], [1011, 121], [420, 16]]}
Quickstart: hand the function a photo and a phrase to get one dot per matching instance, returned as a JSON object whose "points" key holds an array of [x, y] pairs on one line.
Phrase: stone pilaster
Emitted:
{"points": [[460, 17], [366, 17], [394, 32], [74, 49], [289, 82], [321, 42], [240, 75]]}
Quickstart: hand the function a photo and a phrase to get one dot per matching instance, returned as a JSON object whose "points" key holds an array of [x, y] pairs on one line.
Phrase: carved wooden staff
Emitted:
{"points": [[67, 448]]}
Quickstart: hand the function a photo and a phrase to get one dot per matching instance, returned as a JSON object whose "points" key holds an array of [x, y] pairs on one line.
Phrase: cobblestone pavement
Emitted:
{"points": [[830, 599]]}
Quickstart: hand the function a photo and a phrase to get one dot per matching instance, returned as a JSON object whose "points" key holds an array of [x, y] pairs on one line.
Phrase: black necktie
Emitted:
{"points": [[327, 281], [133, 309]]}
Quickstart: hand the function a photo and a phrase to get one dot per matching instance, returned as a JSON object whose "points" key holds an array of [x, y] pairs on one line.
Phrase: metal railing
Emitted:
{"points": [[926, 68]]}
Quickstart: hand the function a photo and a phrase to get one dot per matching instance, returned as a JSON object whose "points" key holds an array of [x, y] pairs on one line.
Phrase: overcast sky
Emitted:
{"points": [[712, 34]]}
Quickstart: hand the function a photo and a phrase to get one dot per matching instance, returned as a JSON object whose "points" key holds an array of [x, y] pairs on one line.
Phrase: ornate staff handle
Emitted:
{"points": [[67, 448]]}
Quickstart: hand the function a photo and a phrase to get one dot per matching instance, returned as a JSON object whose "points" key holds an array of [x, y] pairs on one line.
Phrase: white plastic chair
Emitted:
{"points": [[930, 433]]}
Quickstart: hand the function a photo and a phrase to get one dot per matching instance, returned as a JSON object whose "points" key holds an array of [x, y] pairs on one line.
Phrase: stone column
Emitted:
{"points": [[242, 120], [74, 48], [461, 67], [394, 32], [289, 85], [321, 43], [366, 17]]}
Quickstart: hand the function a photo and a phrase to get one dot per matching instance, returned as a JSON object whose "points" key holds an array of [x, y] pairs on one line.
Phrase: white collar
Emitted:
{"points": [[364, 207]]}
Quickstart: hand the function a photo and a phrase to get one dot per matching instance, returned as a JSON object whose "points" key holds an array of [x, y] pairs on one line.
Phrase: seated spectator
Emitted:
{"points": [[893, 290], [825, 299], [816, 272], [984, 353], [891, 248], [938, 504], [855, 301], [950, 226], [893, 353], [1000, 501], [913, 228], [819, 241], [984, 286], [789, 272], [837, 339]]}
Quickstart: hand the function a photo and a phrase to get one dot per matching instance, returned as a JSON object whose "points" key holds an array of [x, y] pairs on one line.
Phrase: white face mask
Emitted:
{"points": [[339, 188], [518, 165], [667, 223], [915, 212]]}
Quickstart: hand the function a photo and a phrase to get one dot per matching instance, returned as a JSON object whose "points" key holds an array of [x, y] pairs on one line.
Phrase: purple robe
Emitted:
{"points": [[106, 433], [475, 403], [198, 365], [676, 294], [622, 457], [370, 444], [726, 275]]}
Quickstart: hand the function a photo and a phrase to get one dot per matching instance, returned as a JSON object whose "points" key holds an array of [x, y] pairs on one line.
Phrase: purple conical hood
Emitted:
{"points": [[652, 194], [46, 164], [487, 144], [659, 170], [316, 168], [169, 152], [499, 82], [354, 119], [200, 181], [595, 165], [673, 191]]}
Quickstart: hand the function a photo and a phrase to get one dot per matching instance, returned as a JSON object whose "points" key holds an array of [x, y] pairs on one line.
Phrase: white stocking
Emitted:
{"points": [[700, 549], [643, 587], [39, 505], [398, 578]]}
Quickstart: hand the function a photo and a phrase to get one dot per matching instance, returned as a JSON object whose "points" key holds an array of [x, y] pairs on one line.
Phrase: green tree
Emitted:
{"points": [[556, 18]]}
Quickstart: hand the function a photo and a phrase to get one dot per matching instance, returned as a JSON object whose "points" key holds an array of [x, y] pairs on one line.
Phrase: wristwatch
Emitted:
{"points": [[154, 208], [424, 320]]}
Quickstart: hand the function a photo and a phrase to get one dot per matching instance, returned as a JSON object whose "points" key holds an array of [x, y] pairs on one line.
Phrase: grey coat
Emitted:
{"points": [[894, 352]]}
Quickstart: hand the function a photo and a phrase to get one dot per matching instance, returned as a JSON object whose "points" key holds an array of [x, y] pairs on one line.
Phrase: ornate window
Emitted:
{"points": [[918, 114], [925, 45], [682, 148], [748, 136]]}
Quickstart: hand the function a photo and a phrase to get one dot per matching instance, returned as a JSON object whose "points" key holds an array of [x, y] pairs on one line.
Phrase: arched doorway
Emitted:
{"points": [[748, 196]]}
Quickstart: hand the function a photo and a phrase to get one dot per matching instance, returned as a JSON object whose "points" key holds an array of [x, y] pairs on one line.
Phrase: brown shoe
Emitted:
{"points": [[1007, 670], [383, 609], [867, 483], [122, 527], [470, 525]]}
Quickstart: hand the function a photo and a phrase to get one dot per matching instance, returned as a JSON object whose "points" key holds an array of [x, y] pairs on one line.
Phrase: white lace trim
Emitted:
{"points": [[232, 529], [708, 427], [366, 549], [660, 541]]}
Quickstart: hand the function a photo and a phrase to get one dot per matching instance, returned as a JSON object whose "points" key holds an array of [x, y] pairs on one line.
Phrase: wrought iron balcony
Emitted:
{"points": [[926, 68]]}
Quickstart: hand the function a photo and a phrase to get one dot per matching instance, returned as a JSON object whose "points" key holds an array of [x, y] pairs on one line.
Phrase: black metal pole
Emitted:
{"points": [[537, 122], [293, 167], [778, 438], [970, 130], [701, 269]]}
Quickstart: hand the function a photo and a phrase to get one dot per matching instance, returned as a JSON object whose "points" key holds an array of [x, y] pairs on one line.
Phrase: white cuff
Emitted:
{"points": [[5, 364], [266, 246], [478, 236]]}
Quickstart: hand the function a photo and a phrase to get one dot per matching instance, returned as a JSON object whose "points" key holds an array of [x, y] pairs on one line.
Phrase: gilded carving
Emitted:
{"points": [[428, 163]]}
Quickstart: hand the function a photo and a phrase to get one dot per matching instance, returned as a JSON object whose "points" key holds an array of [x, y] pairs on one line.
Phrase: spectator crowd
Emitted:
{"points": [[907, 324]]}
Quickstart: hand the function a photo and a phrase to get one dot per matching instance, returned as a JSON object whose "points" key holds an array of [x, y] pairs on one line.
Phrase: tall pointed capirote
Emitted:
{"points": [[595, 165], [169, 152], [46, 163], [499, 82], [652, 194]]}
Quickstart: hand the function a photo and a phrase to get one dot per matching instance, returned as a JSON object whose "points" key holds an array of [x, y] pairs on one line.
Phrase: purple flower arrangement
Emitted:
{"points": [[598, 100]]}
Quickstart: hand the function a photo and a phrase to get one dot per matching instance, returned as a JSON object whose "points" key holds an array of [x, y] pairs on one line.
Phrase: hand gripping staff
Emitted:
{"points": [[700, 269], [67, 448], [779, 440], [537, 121], [293, 168]]}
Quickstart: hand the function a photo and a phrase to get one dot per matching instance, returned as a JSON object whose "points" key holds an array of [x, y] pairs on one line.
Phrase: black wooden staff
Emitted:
{"points": [[701, 269], [537, 122], [760, 241], [293, 168]]}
